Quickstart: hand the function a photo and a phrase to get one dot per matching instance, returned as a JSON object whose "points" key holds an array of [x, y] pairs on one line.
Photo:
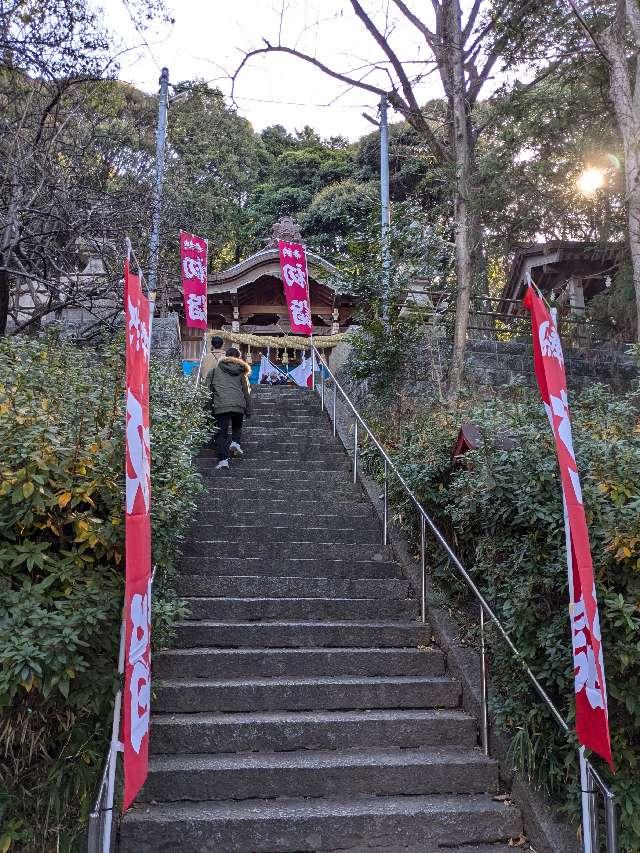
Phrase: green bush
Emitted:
{"points": [[62, 567], [502, 511]]}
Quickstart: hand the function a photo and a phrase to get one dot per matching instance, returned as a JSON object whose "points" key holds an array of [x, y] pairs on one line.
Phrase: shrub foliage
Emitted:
{"points": [[62, 567]]}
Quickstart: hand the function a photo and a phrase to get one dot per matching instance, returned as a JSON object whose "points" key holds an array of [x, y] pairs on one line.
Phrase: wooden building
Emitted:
{"points": [[246, 304], [572, 271]]}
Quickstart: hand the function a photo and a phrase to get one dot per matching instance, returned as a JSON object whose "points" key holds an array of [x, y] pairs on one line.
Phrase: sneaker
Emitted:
{"points": [[235, 449], [223, 463]]}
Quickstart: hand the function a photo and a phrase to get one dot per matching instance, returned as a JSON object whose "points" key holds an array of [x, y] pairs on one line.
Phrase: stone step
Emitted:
{"points": [[305, 694], [283, 412], [299, 430], [301, 634], [340, 569], [238, 586], [282, 457], [282, 445], [280, 468], [319, 773], [244, 472], [294, 825], [500, 847], [251, 537], [296, 419], [219, 510], [261, 492], [267, 663], [275, 731], [320, 609], [278, 549]]}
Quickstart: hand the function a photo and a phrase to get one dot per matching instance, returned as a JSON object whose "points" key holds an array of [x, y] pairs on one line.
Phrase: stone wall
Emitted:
{"points": [[500, 363]]}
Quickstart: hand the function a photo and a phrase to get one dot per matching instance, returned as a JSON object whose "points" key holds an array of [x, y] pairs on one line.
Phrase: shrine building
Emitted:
{"points": [[246, 306]]}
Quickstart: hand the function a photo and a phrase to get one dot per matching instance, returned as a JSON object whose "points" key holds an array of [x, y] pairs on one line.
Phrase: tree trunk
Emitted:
{"points": [[627, 109], [634, 250], [4, 299], [463, 152], [8, 240]]}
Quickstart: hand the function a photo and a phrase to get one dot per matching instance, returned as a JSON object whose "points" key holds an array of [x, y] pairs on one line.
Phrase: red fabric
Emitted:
{"points": [[193, 263], [293, 265], [137, 599], [592, 723]]}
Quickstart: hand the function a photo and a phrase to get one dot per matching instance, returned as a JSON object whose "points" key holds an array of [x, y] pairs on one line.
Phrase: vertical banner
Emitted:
{"points": [[293, 264], [137, 597], [193, 264], [592, 722]]}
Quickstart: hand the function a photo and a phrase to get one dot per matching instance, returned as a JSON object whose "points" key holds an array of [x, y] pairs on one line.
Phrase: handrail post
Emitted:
{"points": [[321, 388], [335, 392], [484, 708], [586, 785], [423, 568], [611, 822], [386, 507], [355, 451]]}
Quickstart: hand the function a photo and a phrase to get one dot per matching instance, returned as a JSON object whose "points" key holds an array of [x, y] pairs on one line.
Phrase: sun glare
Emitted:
{"points": [[590, 181]]}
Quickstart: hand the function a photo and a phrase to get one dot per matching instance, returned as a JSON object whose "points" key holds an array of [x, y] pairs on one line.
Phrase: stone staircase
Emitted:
{"points": [[304, 706]]}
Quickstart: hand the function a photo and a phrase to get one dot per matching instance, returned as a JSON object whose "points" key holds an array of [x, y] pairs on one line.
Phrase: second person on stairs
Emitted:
{"points": [[229, 383]]}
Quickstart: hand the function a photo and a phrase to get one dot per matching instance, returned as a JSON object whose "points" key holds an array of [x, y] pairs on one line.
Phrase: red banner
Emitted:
{"points": [[293, 264], [137, 598], [592, 723], [193, 263]]}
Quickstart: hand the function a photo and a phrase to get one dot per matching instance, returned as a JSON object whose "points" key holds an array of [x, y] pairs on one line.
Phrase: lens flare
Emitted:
{"points": [[591, 180]]}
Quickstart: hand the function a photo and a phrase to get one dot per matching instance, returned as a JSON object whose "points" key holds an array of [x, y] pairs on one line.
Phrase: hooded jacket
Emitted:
{"points": [[229, 383]]}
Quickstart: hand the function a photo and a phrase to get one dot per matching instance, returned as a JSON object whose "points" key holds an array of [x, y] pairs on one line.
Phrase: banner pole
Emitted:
{"points": [[116, 747]]}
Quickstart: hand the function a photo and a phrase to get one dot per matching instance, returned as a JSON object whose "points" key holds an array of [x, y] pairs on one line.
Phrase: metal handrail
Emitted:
{"points": [[485, 607]]}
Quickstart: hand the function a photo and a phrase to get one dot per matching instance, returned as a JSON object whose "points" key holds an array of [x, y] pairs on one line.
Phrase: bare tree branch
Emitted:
{"points": [[429, 36], [411, 111], [588, 31], [337, 75], [413, 114], [471, 20]]}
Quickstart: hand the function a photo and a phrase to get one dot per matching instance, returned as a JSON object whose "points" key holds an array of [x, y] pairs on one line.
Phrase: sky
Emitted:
{"points": [[209, 38]]}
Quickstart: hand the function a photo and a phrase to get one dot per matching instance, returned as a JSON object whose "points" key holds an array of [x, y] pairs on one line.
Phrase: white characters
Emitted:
{"points": [[300, 312], [197, 306], [550, 341], [139, 454], [140, 682], [294, 275]]}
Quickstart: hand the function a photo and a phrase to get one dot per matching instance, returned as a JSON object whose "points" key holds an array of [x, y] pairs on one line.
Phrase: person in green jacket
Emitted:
{"points": [[229, 383]]}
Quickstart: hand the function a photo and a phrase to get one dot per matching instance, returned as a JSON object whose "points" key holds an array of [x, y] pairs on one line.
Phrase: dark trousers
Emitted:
{"points": [[222, 436]]}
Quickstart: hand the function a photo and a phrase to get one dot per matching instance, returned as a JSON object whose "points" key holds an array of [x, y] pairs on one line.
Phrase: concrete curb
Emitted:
{"points": [[545, 832]]}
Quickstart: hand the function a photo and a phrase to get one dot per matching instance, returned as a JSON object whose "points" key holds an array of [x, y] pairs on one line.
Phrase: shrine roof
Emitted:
{"points": [[266, 262], [555, 261]]}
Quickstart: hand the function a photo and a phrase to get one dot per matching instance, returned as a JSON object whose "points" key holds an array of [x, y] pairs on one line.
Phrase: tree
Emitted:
{"points": [[70, 152], [303, 166], [465, 51], [214, 159], [337, 212], [614, 29], [532, 154]]}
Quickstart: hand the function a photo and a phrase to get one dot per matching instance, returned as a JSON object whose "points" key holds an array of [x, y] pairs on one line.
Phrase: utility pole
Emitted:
{"points": [[385, 249], [384, 208], [154, 243]]}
